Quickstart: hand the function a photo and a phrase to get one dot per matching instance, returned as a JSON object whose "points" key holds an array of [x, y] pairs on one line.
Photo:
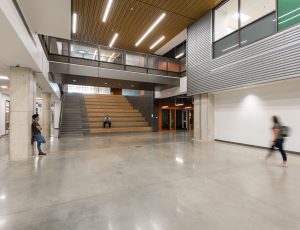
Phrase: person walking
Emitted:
{"points": [[278, 140], [37, 133]]}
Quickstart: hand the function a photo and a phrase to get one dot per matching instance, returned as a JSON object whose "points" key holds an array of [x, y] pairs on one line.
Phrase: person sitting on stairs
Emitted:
{"points": [[107, 120]]}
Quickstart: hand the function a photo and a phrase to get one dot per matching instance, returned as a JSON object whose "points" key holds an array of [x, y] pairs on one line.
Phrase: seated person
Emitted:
{"points": [[107, 120]]}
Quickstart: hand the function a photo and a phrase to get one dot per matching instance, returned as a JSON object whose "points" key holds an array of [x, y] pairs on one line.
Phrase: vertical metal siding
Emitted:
{"points": [[274, 58]]}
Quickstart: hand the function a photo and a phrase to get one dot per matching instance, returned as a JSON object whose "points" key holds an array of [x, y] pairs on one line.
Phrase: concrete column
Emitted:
{"points": [[197, 130], [46, 117], [204, 122], [57, 110], [22, 107]]}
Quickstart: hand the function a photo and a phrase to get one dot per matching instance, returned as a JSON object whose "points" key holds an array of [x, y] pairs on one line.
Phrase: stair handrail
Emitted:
{"points": [[61, 113]]}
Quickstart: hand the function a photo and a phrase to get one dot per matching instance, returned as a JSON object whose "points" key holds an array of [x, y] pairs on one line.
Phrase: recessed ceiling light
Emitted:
{"points": [[157, 42], [74, 21], [105, 83], [4, 86], [108, 6], [165, 107], [151, 28], [113, 40], [74, 80], [4, 78], [132, 85], [39, 98], [179, 55], [179, 104]]}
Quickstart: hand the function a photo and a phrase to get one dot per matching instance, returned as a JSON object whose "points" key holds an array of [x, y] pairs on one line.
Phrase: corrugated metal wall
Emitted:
{"points": [[274, 58]]}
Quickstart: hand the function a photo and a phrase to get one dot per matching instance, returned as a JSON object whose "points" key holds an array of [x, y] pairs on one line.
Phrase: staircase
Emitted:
{"points": [[72, 115], [124, 117]]}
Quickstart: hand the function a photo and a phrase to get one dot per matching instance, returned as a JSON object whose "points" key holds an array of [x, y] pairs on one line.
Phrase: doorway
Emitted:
{"points": [[175, 118]]}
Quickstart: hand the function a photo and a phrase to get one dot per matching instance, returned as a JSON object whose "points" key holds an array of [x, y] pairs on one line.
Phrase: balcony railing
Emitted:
{"points": [[74, 52]]}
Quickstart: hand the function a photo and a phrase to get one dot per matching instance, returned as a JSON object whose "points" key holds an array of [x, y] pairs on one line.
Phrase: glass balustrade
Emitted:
{"points": [[101, 56]]}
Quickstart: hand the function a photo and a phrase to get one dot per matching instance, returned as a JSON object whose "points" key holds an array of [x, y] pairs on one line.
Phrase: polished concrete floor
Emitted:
{"points": [[148, 182]]}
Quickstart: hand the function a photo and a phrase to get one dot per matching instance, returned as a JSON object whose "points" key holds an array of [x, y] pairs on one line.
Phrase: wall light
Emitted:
{"points": [[179, 55], [74, 21], [108, 7], [157, 42], [152, 27], [4, 78], [113, 40]]}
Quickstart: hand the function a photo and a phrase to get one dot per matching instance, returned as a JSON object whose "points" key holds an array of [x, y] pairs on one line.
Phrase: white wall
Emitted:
{"points": [[3, 98], [244, 116], [175, 91]]}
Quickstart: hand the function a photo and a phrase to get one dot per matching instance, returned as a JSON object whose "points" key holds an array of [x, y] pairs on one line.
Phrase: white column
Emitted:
{"points": [[204, 121], [197, 131], [57, 110], [46, 114], [22, 107]]}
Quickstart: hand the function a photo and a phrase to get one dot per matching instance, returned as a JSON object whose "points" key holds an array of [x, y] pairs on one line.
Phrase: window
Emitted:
{"points": [[238, 23], [226, 19], [88, 89], [288, 13], [251, 10]]}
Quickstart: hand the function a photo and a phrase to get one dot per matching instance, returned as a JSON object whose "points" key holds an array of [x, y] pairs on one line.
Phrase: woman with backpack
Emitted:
{"points": [[279, 132]]}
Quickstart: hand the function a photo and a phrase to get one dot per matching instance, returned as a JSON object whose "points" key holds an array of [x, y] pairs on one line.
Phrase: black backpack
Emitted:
{"points": [[284, 131]]}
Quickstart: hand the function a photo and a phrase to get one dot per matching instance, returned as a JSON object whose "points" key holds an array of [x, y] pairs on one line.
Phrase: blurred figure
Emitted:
{"points": [[107, 120], [278, 134]]}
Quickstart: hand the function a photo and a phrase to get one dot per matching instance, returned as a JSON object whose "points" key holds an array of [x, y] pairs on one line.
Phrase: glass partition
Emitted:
{"points": [[158, 63], [226, 19], [252, 10], [258, 30], [226, 45]]}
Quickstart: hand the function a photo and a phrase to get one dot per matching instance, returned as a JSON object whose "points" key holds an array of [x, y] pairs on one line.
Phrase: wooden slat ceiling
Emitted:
{"points": [[131, 19]]}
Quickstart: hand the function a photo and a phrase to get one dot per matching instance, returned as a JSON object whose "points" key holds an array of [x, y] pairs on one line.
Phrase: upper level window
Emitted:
{"points": [[251, 10], [226, 19], [238, 23]]}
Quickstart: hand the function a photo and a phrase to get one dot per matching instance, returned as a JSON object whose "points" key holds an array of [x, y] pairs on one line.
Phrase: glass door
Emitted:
{"points": [[165, 119]]}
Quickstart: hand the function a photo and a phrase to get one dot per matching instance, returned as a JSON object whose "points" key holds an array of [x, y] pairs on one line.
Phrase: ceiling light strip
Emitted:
{"points": [[113, 40], [157, 42], [152, 27], [108, 7], [74, 21]]}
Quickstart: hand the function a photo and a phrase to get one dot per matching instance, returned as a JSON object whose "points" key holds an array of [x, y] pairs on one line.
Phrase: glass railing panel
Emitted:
{"points": [[258, 30], [157, 63], [111, 55], [173, 66], [183, 65], [58, 46], [136, 59], [84, 51]]}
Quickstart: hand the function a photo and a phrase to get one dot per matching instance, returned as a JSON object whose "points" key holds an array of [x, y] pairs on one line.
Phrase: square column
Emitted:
{"points": [[46, 115], [204, 117], [22, 107]]}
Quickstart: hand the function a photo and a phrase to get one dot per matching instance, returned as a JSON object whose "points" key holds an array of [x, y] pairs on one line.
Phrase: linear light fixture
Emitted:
{"points": [[111, 57], [108, 7], [4, 86], [113, 40], [95, 54], [179, 55], [74, 25], [165, 107], [181, 104], [152, 27], [4, 78], [157, 42]]}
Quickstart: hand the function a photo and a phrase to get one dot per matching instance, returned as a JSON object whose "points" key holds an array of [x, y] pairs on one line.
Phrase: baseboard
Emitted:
{"points": [[254, 146]]}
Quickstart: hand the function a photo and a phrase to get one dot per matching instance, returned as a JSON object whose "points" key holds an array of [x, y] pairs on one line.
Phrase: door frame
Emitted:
{"points": [[171, 106]]}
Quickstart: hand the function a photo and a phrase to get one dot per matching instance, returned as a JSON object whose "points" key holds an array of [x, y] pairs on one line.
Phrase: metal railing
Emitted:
{"points": [[74, 52]]}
